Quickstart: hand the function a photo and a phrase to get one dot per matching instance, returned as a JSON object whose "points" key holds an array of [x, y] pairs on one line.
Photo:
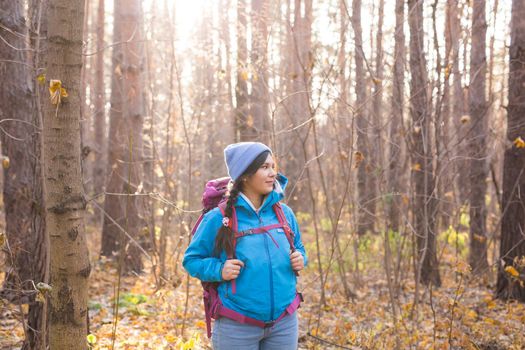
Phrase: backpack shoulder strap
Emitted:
{"points": [[194, 229], [282, 221]]}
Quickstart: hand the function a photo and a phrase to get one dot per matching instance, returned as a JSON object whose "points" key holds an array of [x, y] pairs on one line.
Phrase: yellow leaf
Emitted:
{"points": [[56, 91], [41, 79], [462, 267], [519, 143], [491, 304], [465, 119], [352, 337], [244, 75], [491, 321], [2, 239], [376, 81], [5, 162], [170, 338], [40, 298], [416, 167], [200, 324], [91, 339], [471, 314], [249, 121], [480, 238], [358, 158], [512, 271], [447, 71]]}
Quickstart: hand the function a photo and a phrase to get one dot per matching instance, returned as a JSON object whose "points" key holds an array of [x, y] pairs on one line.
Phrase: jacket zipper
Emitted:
{"points": [[269, 269]]}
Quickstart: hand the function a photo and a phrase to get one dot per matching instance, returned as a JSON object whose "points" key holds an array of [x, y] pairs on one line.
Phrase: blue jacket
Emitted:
{"points": [[267, 283]]}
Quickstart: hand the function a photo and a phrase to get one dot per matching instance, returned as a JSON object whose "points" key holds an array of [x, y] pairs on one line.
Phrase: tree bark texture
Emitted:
{"points": [[424, 203], [65, 202], [396, 120], [259, 59], [364, 220], [478, 140], [296, 104], [512, 247], [22, 193], [123, 208], [99, 103], [246, 130]]}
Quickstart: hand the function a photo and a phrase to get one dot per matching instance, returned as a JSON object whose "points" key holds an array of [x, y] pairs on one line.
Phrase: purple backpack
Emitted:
{"points": [[215, 196]]}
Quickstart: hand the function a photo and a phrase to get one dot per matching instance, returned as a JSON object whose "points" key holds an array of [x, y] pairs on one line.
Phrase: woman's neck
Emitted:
{"points": [[255, 198]]}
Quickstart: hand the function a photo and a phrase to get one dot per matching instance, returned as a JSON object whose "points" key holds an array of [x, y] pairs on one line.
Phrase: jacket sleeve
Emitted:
{"points": [[199, 258], [292, 221]]}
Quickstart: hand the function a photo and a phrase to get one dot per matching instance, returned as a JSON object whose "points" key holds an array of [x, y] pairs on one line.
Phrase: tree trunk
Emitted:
{"points": [[461, 124], [364, 220], [446, 185], [425, 203], [259, 59], [478, 140], [512, 248], [99, 102], [396, 120], [296, 103], [65, 202], [123, 208], [27, 249], [376, 166], [113, 212], [245, 123]]}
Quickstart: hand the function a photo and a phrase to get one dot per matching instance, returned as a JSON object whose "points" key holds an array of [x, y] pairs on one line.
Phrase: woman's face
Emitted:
{"points": [[263, 180]]}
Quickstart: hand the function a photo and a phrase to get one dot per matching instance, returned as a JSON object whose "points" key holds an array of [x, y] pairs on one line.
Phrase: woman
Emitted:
{"points": [[258, 281]]}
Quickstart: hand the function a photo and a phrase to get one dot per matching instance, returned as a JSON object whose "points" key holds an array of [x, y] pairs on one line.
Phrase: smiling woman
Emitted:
{"points": [[251, 240]]}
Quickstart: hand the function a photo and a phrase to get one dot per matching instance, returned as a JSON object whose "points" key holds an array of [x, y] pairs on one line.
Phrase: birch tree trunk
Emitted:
{"points": [[65, 202]]}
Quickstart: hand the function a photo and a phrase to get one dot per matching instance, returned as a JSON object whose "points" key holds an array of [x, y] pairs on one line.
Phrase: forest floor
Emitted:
{"points": [[461, 314]]}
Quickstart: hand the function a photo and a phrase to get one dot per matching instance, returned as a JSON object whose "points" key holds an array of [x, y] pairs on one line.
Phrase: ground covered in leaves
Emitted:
{"points": [[462, 314]]}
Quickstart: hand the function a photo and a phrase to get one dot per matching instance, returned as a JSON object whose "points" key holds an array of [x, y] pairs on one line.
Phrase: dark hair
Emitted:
{"points": [[224, 239]]}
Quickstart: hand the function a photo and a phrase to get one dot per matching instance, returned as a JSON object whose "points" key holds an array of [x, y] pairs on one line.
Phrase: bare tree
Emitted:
{"points": [[22, 186], [123, 223], [424, 202], [396, 119], [99, 104], [245, 123], [365, 220], [478, 140], [259, 58], [512, 246]]}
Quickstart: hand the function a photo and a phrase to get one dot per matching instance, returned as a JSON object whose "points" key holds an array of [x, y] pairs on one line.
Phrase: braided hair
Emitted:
{"points": [[224, 239]]}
